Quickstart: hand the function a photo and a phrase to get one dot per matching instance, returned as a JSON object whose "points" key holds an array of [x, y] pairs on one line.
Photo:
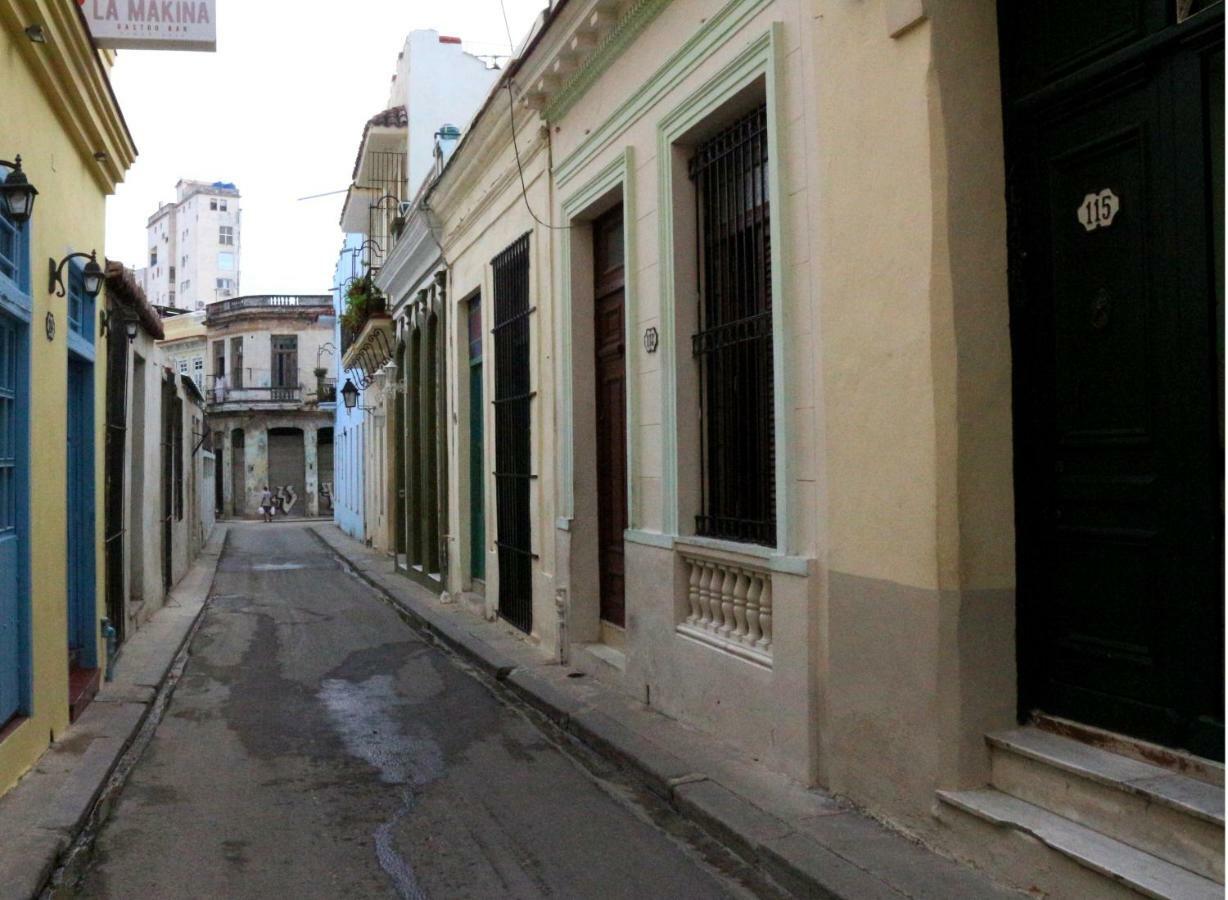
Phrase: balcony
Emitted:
{"points": [[313, 305], [252, 392]]}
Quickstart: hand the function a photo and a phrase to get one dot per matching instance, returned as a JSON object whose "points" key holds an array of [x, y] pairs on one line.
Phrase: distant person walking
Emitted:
{"points": [[266, 504]]}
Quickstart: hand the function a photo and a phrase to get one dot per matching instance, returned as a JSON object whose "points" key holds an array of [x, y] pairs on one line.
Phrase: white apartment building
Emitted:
{"points": [[194, 247]]}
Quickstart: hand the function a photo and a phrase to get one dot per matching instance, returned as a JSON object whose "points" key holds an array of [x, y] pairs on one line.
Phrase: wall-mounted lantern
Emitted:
{"points": [[111, 319], [16, 193], [349, 394], [91, 279]]}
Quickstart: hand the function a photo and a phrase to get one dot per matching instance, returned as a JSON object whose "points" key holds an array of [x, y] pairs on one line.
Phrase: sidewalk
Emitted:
{"points": [[810, 843], [42, 816]]}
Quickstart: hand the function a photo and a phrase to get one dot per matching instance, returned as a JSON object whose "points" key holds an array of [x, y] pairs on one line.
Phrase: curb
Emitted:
{"points": [[797, 862], [68, 841]]}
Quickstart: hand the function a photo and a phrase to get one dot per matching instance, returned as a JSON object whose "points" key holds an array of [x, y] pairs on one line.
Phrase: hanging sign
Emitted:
{"points": [[152, 24], [1099, 210]]}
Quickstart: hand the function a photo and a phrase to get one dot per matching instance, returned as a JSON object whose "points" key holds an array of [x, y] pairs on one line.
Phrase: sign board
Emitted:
{"points": [[152, 24]]}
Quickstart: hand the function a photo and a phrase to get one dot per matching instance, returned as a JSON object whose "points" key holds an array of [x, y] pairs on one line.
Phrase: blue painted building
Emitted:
{"points": [[349, 428]]}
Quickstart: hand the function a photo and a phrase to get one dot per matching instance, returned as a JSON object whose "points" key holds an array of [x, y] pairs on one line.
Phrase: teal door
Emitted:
{"points": [[14, 468], [12, 512], [82, 648], [477, 483]]}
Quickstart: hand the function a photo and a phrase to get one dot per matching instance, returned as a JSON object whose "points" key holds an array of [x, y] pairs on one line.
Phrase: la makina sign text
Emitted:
{"points": [[152, 24]]}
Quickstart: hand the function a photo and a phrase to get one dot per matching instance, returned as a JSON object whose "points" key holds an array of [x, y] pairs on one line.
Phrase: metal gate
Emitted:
{"points": [[116, 441], [513, 468], [82, 646], [288, 469], [168, 482]]}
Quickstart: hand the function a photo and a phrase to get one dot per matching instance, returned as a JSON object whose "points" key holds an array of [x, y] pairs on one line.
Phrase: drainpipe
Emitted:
{"points": [[109, 635]]}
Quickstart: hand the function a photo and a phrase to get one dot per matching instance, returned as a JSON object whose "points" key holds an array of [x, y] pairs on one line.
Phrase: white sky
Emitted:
{"points": [[278, 110]]}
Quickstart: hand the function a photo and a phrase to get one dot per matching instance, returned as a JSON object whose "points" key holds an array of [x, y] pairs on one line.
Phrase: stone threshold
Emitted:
{"points": [[810, 843], [1155, 784], [1135, 869]]}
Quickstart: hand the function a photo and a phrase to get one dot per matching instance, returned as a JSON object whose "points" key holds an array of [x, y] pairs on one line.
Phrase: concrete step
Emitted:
{"points": [[1122, 870], [1170, 816]]}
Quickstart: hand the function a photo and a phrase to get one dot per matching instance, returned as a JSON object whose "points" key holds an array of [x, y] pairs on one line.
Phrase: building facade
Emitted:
{"points": [[785, 350], [394, 351], [58, 114], [349, 492], [159, 508], [194, 247], [185, 345], [270, 398]]}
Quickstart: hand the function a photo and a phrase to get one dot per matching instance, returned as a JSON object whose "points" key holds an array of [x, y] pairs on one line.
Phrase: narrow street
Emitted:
{"points": [[316, 746]]}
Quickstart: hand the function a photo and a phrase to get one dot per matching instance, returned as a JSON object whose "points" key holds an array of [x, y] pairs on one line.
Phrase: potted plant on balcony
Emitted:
{"points": [[362, 301]]}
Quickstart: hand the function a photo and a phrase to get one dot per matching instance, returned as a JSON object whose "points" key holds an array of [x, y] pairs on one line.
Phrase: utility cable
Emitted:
{"points": [[511, 113], [524, 191]]}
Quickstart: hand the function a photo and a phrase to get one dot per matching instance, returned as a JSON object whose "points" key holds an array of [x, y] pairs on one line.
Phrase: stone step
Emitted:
{"points": [[1123, 870], [1171, 816]]}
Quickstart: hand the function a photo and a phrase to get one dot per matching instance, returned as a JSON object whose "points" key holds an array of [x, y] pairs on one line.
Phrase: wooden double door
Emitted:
{"points": [[611, 411], [1114, 118]]}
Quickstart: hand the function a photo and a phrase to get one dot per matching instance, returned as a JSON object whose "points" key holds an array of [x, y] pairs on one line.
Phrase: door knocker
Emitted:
{"points": [[1100, 310]]}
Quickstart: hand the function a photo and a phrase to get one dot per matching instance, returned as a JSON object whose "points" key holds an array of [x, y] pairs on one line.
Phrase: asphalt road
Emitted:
{"points": [[316, 746]]}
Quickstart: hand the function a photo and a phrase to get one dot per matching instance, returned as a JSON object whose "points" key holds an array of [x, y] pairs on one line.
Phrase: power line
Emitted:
{"points": [[524, 191], [329, 194]]}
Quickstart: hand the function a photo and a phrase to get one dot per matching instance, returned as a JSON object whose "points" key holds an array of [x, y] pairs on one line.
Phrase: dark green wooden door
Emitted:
{"points": [[477, 478], [1111, 110]]}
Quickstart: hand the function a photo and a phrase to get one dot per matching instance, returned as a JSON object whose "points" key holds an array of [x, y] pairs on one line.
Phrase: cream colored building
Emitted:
{"points": [[159, 498], [270, 396], [745, 415], [185, 345]]}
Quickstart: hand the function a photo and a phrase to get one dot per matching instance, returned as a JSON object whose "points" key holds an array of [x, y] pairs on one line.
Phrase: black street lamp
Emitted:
{"points": [[349, 394], [91, 279], [117, 316], [16, 193]]}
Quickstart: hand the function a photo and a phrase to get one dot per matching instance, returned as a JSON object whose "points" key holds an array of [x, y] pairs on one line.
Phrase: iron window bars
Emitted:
{"points": [[513, 463], [733, 345]]}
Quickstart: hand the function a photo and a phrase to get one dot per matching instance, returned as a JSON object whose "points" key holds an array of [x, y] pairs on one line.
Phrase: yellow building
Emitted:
{"points": [[59, 114]]}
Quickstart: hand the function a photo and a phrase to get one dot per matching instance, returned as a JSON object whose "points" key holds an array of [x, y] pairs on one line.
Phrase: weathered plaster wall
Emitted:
{"points": [[68, 217], [479, 219], [914, 370], [256, 427], [703, 84]]}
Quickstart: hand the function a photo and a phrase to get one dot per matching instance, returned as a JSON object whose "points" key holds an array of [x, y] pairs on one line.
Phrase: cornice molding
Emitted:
{"points": [[612, 45], [493, 194], [414, 257], [667, 78], [75, 83]]}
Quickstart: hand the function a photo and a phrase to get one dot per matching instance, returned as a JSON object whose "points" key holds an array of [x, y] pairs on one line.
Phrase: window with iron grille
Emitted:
{"points": [[513, 403], [733, 346]]}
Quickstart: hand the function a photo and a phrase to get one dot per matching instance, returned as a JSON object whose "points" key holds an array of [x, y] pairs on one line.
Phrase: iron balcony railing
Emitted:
{"points": [[222, 389]]}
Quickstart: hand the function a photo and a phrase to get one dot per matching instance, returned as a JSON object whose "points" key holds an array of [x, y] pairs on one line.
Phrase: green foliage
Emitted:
{"points": [[362, 301]]}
